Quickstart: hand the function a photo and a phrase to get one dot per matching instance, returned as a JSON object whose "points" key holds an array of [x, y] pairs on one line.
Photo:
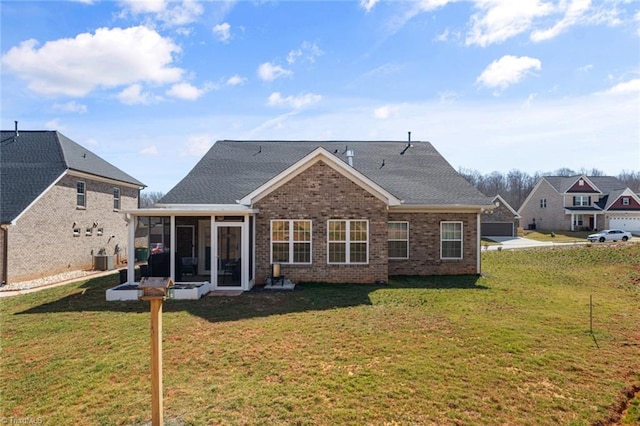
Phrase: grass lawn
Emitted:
{"points": [[559, 236], [511, 347]]}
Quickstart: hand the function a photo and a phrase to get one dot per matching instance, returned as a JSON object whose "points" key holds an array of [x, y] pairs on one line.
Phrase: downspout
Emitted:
{"points": [[131, 241], [5, 253], [479, 245]]}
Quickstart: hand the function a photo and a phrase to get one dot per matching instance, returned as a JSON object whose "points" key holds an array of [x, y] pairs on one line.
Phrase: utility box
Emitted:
{"points": [[103, 262]]}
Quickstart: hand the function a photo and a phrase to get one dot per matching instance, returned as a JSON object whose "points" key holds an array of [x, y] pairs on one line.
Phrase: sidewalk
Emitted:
{"points": [[510, 243]]}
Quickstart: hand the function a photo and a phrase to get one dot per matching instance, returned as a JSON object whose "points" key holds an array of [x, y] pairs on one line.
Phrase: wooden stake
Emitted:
{"points": [[591, 314], [156, 362]]}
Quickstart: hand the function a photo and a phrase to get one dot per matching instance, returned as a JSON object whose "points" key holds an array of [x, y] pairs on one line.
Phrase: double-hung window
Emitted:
{"points": [[81, 194], [291, 241], [116, 198], [451, 240], [625, 201], [581, 200], [348, 241], [543, 203], [398, 240]]}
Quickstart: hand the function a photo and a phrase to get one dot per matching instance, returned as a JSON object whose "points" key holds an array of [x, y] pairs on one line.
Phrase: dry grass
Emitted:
{"points": [[512, 347]]}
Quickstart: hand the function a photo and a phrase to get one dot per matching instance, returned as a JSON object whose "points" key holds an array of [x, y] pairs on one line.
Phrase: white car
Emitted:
{"points": [[610, 235]]}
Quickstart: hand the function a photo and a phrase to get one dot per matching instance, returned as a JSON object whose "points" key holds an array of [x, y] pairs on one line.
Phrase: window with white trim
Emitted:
{"points": [[291, 241], [116, 198], [81, 194], [398, 240], [625, 201], [581, 200], [451, 240], [348, 241], [543, 203]]}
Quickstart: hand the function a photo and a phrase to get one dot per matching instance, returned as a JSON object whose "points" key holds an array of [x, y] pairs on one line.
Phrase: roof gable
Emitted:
{"points": [[615, 200], [499, 199], [320, 154], [32, 161], [583, 185]]}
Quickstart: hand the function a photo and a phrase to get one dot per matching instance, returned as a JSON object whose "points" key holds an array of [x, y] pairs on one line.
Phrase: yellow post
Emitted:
{"points": [[156, 362]]}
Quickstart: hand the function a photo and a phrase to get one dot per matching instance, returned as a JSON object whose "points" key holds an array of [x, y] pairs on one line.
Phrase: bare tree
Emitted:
{"points": [[149, 198]]}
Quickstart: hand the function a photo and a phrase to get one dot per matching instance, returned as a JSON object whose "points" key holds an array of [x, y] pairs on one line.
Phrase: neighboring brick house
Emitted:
{"points": [[325, 211], [578, 203], [59, 205], [502, 221]]}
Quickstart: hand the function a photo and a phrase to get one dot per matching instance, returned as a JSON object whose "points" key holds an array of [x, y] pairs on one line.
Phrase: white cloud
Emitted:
{"points": [[297, 102], [308, 52], [71, 106], [499, 20], [574, 12], [109, 58], [198, 145], [54, 125], [270, 72], [385, 111], [630, 86], [222, 31], [508, 70], [368, 4], [171, 13], [236, 80], [149, 150], [134, 95], [185, 91]]}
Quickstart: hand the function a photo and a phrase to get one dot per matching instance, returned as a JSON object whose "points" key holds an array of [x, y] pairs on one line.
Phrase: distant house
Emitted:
{"points": [[60, 204], [323, 211], [577, 203], [502, 221]]}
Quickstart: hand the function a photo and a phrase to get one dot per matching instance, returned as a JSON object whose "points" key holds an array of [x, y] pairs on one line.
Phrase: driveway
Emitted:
{"points": [[509, 243]]}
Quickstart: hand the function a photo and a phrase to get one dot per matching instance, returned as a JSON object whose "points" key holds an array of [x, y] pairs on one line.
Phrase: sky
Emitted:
{"points": [[494, 85]]}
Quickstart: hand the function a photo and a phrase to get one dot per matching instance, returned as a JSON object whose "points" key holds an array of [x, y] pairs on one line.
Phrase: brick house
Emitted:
{"points": [[324, 211], [579, 203], [59, 205], [502, 221]]}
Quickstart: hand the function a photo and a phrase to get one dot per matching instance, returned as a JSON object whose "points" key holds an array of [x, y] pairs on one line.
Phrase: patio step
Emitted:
{"points": [[284, 284]]}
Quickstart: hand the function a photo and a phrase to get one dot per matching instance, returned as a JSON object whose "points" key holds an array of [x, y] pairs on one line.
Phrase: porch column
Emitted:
{"points": [[244, 265], [479, 244], [131, 250], [214, 253], [572, 222], [172, 257]]}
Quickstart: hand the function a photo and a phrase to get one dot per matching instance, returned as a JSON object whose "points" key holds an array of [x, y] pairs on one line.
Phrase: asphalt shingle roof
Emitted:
{"points": [[32, 161], [232, 169], [605, 184]]}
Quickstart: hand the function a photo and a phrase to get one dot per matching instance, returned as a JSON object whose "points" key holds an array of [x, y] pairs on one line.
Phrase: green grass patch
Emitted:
{"points": [[511, 347], [558, 236]]}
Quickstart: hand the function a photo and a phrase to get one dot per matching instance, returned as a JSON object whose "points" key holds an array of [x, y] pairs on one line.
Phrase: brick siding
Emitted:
{"points": [[424, 245], [318, 194], [41, 243]]}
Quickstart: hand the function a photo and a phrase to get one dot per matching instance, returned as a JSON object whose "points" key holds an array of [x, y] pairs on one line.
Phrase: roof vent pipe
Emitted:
{"points": [[17, 134], [409, 141], [350, 157]]}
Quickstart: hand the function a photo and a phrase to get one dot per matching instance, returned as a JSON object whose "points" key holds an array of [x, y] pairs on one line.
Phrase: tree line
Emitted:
{"points": [[516, 185]]}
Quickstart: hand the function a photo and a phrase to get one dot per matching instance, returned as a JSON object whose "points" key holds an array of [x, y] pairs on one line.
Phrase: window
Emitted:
{"points": [[398, 240], [291, 241], [543, 203], [581, 200], [81, 199], [348, 241], [579, 220], [625, 201], [116, 198], [580, 182], [451, 240]]}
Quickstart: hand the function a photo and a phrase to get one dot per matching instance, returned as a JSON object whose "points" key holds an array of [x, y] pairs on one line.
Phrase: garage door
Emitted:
{"points": [[497, 229], [626, 223]]}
